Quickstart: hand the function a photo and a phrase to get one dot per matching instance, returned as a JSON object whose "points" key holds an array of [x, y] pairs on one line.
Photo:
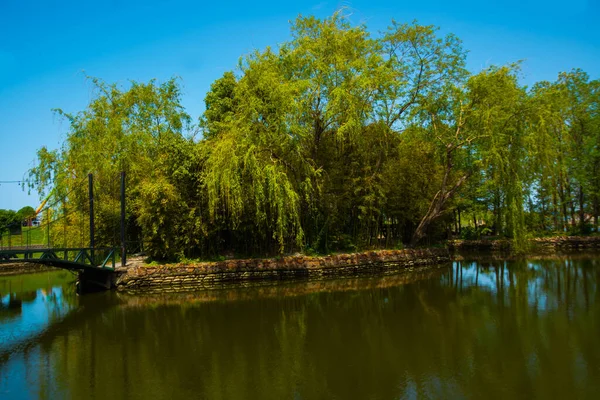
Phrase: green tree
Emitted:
{"points": [[337, 139], [121, 130], [7, 219], [220, 105], [480, 129], [25, 213], [566, 124]]}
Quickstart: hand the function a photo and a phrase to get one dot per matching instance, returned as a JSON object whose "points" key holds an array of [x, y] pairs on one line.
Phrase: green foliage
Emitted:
{"points": [[7, 219], [121, 130], [25, 213], [336, 140], [220, 104], [579, 230], [472, 233]]}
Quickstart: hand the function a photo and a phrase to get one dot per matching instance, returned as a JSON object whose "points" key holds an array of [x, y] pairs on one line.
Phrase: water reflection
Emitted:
{"points": [[496, 329], [31, 303]]}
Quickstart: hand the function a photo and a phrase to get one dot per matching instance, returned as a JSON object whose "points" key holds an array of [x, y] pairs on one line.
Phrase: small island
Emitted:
{"points": [[339, 140]]}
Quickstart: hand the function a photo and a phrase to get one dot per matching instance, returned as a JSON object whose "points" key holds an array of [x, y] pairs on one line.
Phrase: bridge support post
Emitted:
{"points": [[47, 228], [95, 280], [123, 247], [91, 195]]}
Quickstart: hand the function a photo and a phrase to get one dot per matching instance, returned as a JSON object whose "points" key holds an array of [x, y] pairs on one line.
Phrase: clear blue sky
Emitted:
{"points": [[46, 45]]}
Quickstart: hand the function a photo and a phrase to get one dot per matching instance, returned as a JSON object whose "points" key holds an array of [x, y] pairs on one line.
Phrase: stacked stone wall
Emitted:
{"points": [[538, 245], [211, 274]]}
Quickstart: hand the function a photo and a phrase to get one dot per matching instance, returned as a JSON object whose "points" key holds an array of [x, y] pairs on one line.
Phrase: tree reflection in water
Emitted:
{"points": [[493, 329]]}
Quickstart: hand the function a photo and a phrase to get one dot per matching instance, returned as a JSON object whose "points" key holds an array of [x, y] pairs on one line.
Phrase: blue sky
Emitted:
{"points": [[45, 47]]}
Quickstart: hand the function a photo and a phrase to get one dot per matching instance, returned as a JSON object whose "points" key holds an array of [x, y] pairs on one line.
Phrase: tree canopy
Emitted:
{"points": [[336, 140]]}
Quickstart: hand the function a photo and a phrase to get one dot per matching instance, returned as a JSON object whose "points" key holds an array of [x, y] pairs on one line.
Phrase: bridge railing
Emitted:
{"points": [[74, 258]]}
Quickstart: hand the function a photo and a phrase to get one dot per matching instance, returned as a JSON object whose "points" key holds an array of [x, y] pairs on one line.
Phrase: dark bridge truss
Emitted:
{"points": [[103, 258]]}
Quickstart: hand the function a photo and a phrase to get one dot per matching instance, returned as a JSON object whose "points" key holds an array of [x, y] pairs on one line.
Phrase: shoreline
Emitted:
{"points": [[143, 278], [538, 245], [21, 267], [265, 289], [244, 272], [209, 275]]}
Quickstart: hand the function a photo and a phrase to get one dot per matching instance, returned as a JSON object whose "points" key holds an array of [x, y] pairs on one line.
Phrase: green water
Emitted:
{"points": [[519, 329]]}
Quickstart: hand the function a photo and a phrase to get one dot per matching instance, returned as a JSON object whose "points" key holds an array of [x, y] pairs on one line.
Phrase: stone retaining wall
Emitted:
{"points": [[543, 245], [246, 290], [20, 267], [214, 274], [478, 246], [566, 243]]}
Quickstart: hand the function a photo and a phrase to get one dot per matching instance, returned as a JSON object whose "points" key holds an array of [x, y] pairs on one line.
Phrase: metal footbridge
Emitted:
{"points": [[96, 265], [66, 258]]}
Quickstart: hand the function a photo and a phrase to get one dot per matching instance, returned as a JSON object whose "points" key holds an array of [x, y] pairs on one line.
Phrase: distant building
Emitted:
{"points": [[31, 222]]}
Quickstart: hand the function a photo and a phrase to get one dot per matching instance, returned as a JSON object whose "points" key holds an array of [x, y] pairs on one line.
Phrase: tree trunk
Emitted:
{"points": [[581, 209], [571, 203], [543, 213], [563, 204], [596, 211], [455, 222], [596, 193], [555, 209], [436, 208]]}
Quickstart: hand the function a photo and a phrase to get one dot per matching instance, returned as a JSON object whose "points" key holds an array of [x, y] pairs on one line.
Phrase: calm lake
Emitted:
{"points": [[494, 329]]}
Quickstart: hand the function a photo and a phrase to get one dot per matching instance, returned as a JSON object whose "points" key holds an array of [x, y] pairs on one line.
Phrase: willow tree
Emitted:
{"points": [[120, 130], [336, 139], [295, 109], [567, 149], [581, 115], [549, 150], [336, 67], [422, 71], [251, 158], [480, 130], [500, 115], [321, 117]]}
